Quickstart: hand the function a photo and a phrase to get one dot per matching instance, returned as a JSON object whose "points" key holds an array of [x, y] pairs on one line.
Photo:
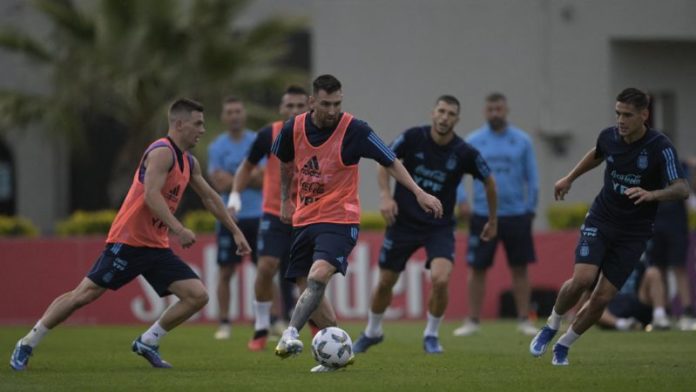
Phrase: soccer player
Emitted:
{"points": [[437, 159], [320, 151], [510, 154], [668, 250], [225, 155], [274, 236], [641, 300], [641, 169], [138, 242]]}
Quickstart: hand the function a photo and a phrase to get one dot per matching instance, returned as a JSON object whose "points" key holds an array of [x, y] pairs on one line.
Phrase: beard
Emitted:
{"points": [[497, 123]]}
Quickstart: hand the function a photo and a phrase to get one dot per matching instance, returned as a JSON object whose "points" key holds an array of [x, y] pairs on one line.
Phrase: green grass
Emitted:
{"points": [[99, 358]]}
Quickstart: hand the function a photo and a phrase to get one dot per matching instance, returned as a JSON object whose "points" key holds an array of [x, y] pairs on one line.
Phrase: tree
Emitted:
{"points": [[124, 61]]}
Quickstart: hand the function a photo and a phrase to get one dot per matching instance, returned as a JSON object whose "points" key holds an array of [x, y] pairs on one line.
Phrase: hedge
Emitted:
{"points": [[567, 216], [16, 226], [86, 223]]}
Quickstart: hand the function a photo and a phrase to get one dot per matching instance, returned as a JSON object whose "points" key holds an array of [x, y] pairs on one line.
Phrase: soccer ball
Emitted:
{"points": [[332, 347]]}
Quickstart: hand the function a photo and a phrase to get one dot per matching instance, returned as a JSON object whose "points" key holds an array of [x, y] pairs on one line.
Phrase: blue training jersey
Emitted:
{"points": [[649, 163], [227, 154], [438, 170], [510, 155]]}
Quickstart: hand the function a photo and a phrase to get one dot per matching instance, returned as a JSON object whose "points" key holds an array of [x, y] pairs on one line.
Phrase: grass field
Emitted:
{"points": [[99, 358]]}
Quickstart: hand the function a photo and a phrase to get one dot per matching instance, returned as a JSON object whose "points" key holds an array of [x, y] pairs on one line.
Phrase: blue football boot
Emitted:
{"points": [[364, 342], [20, 356], [431, 345], [541, 341], [151, 353], [560, 355]]}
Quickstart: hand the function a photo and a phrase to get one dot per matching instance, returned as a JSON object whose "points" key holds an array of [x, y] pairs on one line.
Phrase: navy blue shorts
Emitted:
{"points": [[227, 249], [275, 237], [627, 305], [515, 232], [400, 243], [121, 263], [615, 250], [668, 247], [332, 242]]}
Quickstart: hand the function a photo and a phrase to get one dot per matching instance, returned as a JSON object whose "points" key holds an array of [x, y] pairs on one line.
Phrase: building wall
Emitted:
{"points": [[560, 62], [553, 59], [41, 159]]}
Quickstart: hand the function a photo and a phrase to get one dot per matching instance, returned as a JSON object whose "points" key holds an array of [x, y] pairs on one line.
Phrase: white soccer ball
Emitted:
{"points": [[332, 347]]}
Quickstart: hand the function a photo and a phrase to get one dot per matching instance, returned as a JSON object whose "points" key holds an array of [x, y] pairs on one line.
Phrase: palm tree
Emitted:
{"points": [[125, 60]]}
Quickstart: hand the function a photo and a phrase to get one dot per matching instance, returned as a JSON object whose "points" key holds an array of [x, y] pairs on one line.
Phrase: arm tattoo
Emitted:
{"points": [[307, 303], [286, 176]]}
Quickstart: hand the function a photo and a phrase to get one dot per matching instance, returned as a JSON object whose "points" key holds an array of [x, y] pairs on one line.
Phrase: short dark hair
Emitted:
{"points": [[449, 99], [294, 89], [184, 106], [632, 96], [231, 99], [327, 82], [495, 97]]}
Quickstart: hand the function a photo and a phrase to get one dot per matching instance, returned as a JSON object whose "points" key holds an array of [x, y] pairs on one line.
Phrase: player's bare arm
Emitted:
{"points": [[388, 207], [157, 164], [677, 190], [256, 178], [287, 208], [221, 181], [213, 203], [241, 181], [490, 229], [587, 163], [428, 202]]}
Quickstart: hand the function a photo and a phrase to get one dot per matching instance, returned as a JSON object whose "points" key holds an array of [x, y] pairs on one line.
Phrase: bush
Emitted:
{"points": [[567, 216], [86, 223], [200, 221], [372, 220], [15, 226]]}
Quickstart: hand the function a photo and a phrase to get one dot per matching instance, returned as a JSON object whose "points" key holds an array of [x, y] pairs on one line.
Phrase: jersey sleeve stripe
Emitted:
{"points": [[673, 165], [276, 144], [482, 167], [669, 163], [380, 145], [397, 142]]}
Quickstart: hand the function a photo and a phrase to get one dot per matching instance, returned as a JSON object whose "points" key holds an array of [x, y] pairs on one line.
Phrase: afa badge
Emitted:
{"points": [[451, 163], [642, 162]]}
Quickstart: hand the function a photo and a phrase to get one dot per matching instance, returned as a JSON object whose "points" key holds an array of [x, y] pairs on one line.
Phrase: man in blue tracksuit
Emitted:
{"points": [[509, 153]]}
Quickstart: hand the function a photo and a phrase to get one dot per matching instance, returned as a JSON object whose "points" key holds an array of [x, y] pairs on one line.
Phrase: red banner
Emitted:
{"points": [[35, 271]]}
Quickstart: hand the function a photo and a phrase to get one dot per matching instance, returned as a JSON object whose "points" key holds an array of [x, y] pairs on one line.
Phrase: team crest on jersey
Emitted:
{"points": [[584, 250], [642, 162], [451, 162]]}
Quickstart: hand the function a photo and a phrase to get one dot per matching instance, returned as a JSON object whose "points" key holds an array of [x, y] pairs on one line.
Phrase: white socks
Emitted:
{"points": [[374, 325], [554, 320], [152, 336], [263, 315], [433, 326], [290, 333], [623, 324], [568, 338], [35, 335], [659, 313]]}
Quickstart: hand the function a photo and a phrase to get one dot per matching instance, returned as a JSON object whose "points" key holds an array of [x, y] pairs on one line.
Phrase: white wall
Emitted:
{"points": [[551, 58], [554, 59], [41, 161]]}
